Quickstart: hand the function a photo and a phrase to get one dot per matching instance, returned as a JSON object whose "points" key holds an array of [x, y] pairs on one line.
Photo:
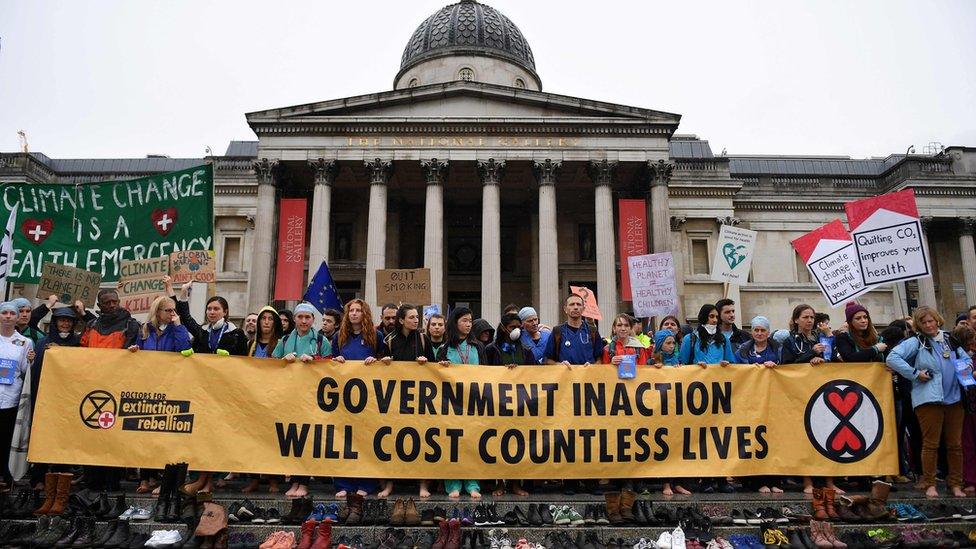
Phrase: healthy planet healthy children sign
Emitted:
{"points": [[97, 226]]}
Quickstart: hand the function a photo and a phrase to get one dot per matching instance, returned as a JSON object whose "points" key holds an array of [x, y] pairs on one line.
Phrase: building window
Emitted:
{"points": [[586, 233], [519, 83], [231, 262], [802, 273], [699, 256], [466, 73], [414, 83], [342, 243]]}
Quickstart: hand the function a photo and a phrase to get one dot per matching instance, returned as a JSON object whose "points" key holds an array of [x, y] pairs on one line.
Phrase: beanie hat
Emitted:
{"points": [[761, 321], [852, 309], [527, 312]]}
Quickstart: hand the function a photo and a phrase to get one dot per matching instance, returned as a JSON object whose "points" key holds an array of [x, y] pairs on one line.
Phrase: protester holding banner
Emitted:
{"points": [[162, 331], [574, 341], [405, 341], [14, 364], [860, 343], [666, 348], [26, 324], [533, 335], [218, 335], [929, 361], [330, 323], [964, 337], [355, 337], [268, 332], [303, 344], [436, 327], [507, 349], [726, 323], [759, 349], [621, 343], [706, 345], [803, 344]]}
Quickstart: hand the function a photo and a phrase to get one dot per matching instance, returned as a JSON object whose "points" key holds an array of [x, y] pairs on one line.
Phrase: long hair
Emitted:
{"points": [[629, 320], [291, 320], [500, 335], [677, 333], [277, 330], [453, 336], [223, 305], [398, 327], [705, 338], [159, 303], [797, 311], [345, 326], [866, 338]]}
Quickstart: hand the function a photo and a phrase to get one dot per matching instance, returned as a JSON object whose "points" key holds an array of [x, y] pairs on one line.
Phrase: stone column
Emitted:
{"points": [[967, 253], [379, 172], [601, 173], [318, 242], [435, 171], [262, 253], [660, 217], [545, 174], [491, 173], [926, 286]]}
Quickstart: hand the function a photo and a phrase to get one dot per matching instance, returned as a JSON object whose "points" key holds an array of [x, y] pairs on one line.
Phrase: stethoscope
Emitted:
{"points": [[583, 335]]}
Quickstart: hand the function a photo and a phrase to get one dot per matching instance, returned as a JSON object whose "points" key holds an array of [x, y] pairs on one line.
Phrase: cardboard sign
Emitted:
{"points": [[192, 266], [652, 284], [733, 255], [68, 283], [590, 307], [888, 238], [141, 282], [831, 258], [403, 286]]}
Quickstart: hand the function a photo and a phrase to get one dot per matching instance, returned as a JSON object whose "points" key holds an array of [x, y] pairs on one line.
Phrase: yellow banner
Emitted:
{"points": [[112, 407]]}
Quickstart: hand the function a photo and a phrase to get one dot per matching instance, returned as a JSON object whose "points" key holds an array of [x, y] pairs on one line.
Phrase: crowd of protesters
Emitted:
{"points": [[933, 405]]}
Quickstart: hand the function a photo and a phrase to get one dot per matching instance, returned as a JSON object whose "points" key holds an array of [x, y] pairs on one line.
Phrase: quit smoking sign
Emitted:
{"points": [[887, 235], [831, 258]]}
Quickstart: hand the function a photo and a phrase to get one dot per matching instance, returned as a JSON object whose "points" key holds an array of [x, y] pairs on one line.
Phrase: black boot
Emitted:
{"points": [[104, 507], [86, 536], [120, 537], [56, 528], [176, 495], [68, 538], [107, 534], [164, 503], [120, 506]]}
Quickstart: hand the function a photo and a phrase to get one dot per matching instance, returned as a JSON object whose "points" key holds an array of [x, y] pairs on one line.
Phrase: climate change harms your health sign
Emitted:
{"points": [[97, 226]]}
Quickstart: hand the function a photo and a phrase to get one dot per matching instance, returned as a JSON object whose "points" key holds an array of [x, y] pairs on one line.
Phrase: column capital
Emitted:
{"points": [[728, 220], [325, 171], [491, 171], [927, 222], [677, 221], [435, 171], [545, 171], [967, 225], [602, 171], [266, 170], [659, 172], [379, 171]]}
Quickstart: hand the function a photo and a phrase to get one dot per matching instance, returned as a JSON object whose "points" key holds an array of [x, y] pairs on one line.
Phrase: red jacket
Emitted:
{"points": [[643, 354]]}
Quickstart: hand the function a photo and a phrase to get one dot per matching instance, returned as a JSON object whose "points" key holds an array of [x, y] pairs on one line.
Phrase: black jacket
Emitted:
{"points": [[407, 348], [797, 349], [234, 341], [523, 354], [738, 337], [847, 350]]}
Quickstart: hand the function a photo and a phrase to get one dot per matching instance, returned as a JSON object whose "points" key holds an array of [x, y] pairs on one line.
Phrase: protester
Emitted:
{"points": [[287, 321], [928, 360], [24, 326], [706, 345], [666, 348], [388, 315], [962, 319], [405, 341], [972, 316], [803, 343], [532, 335], [622, 343], [303, 344], [250, 325], [507, 349], [162, 331], [482, 331], [860, 343], [759, 349], [268, 332], [436, 327], [672, 323], [114, 328], [906, 424], [645, 339], [575, 341], [14, 363], [726, 323], [461, 348], [331, 319], [964, 338]]}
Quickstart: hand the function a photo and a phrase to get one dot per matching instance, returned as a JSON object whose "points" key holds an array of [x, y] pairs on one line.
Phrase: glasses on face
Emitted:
{"points": [[170, 310]]}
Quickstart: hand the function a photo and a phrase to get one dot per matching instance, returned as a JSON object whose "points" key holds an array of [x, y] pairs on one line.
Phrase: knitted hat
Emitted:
{"points": [[852, 309], [527, 312], [660, 336]]}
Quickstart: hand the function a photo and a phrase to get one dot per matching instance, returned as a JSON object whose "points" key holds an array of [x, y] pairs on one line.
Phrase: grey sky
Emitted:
{"points": [[128, 78]]}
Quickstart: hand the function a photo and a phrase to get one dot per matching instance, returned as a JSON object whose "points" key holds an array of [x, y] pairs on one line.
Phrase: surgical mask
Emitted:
{"points": [[711, 328], [515, 334]]}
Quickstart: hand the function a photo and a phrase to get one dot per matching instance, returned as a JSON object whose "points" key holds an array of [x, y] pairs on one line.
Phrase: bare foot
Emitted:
{"points": [[143, 487], [454, 495], [340, 494], [387, 490], [958, 492], [302, 491], [667, 490], [497, 492], [682, 490], [273, 486], [291, 491], [192, 488], [474, 494], [155, 492], [208, 487], [519, 491], [808, 489], [969, 489], [931, 492], [764, 489], [363, 493], [777, 490], [251, 486], [424, 489]]}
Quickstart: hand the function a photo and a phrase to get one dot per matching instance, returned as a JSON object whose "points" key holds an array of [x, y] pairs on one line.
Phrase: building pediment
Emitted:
{"points": [[462, 101]]}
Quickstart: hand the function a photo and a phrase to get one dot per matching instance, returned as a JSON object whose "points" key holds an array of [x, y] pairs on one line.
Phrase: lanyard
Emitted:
{"points": [[223, 330]]}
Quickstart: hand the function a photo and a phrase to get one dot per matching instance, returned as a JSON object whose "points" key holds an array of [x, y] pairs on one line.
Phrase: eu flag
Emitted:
{"points": [[321, 290]]}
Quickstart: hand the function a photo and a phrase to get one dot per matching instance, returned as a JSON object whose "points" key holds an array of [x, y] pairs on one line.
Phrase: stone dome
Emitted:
{"points": [[468, 28]]}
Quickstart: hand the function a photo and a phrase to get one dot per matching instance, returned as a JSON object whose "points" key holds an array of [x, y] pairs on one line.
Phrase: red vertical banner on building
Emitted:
{"points": [[632, 234], [290, 271]]}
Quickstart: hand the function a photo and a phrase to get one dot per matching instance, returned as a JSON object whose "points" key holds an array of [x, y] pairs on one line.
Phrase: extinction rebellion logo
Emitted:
{"points": [[844, 421], [138, 411]]}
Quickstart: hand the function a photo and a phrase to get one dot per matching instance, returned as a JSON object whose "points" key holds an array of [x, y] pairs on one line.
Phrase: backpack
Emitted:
{"points": [[557, 334]]}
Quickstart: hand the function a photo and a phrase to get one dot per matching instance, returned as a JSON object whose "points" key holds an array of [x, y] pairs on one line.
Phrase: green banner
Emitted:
{"points": [[97, 226]]}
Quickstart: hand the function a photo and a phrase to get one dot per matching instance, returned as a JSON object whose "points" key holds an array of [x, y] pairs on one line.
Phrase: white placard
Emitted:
{"points": [[733, 255], [652, 284]]}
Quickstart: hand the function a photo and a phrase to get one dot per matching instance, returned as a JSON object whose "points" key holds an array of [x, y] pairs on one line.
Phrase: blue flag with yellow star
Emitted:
{"points": [[321, 290]]}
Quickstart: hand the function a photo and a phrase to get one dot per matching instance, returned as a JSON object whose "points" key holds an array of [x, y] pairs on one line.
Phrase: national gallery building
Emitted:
{"points": [[508, 192]]}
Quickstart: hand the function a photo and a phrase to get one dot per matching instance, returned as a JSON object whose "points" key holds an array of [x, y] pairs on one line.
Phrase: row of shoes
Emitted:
{"points": [[80, 532], [905, 512], [246, 511], [826, 507]]}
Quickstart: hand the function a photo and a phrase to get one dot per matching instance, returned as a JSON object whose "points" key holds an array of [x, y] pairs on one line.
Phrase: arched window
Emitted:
{"points": [[414, 83], [466, 73], [519, 83]]}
